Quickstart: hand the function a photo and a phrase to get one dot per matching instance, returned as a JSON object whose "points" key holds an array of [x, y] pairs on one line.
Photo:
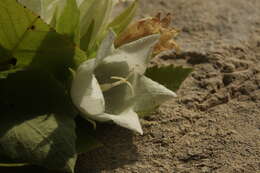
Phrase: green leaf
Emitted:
{"points": [[47, 9], [33, 43], [6, 60], [169, 76], [37, 121], [7, 162], [63, 15], [123, 20], [85, 21], [13, 164], [99, 12], [68, 22], [88, 36], [86, 140]]}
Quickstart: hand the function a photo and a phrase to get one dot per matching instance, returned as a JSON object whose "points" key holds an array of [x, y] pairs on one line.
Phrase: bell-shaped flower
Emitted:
{"points": [[113, 87]]}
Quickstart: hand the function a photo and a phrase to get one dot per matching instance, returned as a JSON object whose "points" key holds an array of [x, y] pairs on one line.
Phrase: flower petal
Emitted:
{"points": [[85, 92], [128, 119], [138, 53], [132, 57], [121, 97], [106, 47], [109, 68], [150, 94]]}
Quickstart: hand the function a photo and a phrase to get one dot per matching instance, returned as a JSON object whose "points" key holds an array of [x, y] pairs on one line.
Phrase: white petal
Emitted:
{"points": [[106, 47], [120, 97], [85, 92], [138, 53], [128, 119], [132, 57], [151, 94], [113, 65]]}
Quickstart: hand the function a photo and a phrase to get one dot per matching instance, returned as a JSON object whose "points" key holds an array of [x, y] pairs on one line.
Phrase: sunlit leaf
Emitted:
{"points": [[68, 22], [45, 8], [99, 12], [62, 15], [33, 43], [122, 21]]}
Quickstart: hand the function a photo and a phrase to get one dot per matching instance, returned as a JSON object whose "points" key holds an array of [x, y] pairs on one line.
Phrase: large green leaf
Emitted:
{"points": [[122, 21], [37, 121], [75, 17], [68, 22], [62, 15], [33, 43], [169, 76], [47, 9]]}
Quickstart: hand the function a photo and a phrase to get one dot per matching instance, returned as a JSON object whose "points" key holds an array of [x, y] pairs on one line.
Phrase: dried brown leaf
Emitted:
{"points": [[149, 26]]}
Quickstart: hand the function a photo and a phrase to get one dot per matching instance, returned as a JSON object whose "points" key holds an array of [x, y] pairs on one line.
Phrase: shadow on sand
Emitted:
{"points": [[118, 150]]}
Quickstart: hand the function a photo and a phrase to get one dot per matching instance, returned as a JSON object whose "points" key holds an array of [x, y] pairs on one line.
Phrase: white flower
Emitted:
{"points": [[112, 87]]}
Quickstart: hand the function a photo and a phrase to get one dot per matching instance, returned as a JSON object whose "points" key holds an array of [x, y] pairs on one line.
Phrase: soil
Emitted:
{"points": [[214, 124]]}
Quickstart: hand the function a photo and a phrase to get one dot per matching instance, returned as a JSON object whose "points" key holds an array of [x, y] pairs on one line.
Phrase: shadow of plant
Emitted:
{"points": [[118, 150]]}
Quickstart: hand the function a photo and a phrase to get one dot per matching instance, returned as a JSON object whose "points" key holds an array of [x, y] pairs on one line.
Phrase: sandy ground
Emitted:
{"points": [[214, 125]]}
